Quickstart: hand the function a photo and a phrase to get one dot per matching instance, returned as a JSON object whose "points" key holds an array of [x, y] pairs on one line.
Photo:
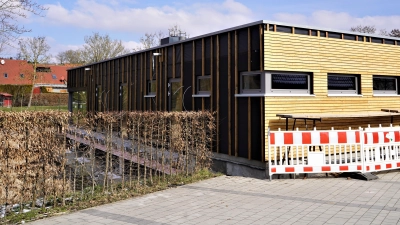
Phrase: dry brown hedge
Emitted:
{"points": [[34, 147]]}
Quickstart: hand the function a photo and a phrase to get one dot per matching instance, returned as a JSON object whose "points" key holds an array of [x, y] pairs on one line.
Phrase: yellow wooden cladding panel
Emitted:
{"points": [[320, 56]]}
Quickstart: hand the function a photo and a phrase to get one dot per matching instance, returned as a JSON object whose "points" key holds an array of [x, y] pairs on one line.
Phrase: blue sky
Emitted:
{"points": [[67, 22]]}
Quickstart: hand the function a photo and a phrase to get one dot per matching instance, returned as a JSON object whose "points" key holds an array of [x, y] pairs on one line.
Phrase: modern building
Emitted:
{"points": [[19, 72], [252, 76]]}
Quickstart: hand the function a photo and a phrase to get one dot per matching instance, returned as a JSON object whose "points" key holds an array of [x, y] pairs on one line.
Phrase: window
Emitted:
{"points": [[283, 29], [377, 40], [335, 35], [5, 75], [385, 85], [389, 42], [203, 85], [43, 69], [285, 83], [151, 88], [302, 31], [54, 76], [99, 96], [322, 33], [349, 37], [289, 83], [314, 33], [252, 83], [21, 75], [175, 95], [343, 84], [361, 38]]}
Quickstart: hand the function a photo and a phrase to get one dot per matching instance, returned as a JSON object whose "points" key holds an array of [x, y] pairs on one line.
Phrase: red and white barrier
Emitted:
{"points": [[382, 148], [333, 151]]}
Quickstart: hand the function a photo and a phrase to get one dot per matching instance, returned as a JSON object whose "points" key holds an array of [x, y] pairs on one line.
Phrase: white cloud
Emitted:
{"points": [[131, 44], [339, 20], [196, 19]]}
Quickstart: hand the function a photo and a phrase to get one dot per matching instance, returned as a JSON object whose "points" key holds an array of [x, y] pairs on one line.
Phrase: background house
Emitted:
{"points": [[16, 78]]}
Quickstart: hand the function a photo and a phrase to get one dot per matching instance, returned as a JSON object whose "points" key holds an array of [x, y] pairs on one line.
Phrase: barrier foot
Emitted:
{"points": [[360, 176]]}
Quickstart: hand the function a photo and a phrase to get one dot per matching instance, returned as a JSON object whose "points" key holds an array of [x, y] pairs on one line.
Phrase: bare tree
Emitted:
{"points": [[61, 57], [10, 12], [34, 50], [99, 48], [71, 57], [74, 56], [395, 33], [150, 40], [364, 29]]}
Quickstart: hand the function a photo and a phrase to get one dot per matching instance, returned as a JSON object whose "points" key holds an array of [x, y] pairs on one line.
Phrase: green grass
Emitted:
{"points": [[89, 199], [34, 108]]}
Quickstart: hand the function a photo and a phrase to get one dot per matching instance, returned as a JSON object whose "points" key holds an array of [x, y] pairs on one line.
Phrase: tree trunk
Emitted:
{"points": [[33, 86]]}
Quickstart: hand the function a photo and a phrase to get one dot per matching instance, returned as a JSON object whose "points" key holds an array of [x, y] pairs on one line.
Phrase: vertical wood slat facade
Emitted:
{"points": [[242, 122], [137, 68]]}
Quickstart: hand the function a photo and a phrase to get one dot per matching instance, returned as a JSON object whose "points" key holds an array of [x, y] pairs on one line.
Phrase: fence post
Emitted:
{"points": [[269, 153], [362, 132]]}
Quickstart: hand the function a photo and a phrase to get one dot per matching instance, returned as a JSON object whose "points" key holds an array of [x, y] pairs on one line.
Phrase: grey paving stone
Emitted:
{"points": [[239, 200]]}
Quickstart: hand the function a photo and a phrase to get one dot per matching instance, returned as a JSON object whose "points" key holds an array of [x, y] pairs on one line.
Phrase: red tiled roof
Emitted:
{"points": [[14, 69]]}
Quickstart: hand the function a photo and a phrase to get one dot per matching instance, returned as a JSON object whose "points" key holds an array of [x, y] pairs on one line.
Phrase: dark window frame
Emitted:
{"points": [[385, 91], [265, 86], [357, 84], [151, 84], [307, 90], [198, 86], [244, 90]]}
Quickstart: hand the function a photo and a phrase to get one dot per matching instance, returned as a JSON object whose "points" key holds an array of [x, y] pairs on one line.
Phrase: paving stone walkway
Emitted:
{"points": [[239, 200]]}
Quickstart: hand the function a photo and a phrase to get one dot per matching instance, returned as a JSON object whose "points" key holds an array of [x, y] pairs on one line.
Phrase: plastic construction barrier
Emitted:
{"points": [[333, 151]]}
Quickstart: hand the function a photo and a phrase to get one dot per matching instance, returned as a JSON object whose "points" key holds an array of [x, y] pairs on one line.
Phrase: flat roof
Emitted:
{"points": [[320, 116]]}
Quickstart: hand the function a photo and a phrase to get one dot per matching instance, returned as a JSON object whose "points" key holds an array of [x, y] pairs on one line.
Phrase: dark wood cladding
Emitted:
{"points": [[221, 56]]}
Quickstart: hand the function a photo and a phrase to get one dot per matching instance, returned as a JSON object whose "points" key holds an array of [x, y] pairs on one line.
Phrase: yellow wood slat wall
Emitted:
{"points": [[320, 56]]}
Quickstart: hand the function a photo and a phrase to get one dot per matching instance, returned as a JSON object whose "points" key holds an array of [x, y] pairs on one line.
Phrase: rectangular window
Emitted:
{"points": [[389, 42], [349, 37], [252, 83], [203, 85], [283, 29], [285, 83], [343, 84], [385, 85], [43, 69], [322, 33], [175, 95], [289, 81], [377, 40], [151, 87], [99, 96], [21, 75], [361, 38], [335, 35], [314, 33], [5, 75], [302, 31]]}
